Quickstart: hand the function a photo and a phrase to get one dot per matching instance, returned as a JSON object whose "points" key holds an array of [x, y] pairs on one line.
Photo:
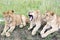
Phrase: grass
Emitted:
{"points": [[24, 6]]}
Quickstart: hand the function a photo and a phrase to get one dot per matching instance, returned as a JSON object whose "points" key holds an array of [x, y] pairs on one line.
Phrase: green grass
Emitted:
{"points": [[23, 6]]}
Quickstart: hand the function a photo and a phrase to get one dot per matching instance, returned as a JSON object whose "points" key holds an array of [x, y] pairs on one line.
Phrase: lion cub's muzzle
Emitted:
{"points": [[30, 17], [8, 19]]}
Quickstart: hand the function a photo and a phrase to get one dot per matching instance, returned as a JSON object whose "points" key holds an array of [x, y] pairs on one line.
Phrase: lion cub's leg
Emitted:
{"points": [[10, 30], [21, 25], [24, 23], [45, 27], [5, 29], [49, 32], [38, 25], [31, 26]]}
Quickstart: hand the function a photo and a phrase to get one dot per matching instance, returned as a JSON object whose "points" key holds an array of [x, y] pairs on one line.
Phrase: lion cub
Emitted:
{"points": [[35, 19], [53, 21], [11, 21]]}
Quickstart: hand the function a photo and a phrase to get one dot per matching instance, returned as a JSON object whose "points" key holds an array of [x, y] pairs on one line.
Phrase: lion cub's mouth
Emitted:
{"points": [[30, 17]]}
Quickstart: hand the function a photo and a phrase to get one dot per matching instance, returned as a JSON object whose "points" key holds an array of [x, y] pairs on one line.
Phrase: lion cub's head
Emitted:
{"points": [[49, 15], [33, 14], [8, 15]]}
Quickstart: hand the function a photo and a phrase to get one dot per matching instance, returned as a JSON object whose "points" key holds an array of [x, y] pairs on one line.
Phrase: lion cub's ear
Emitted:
{"points": [[3, 13], [12, 11], [52, 13], [37, 11]]}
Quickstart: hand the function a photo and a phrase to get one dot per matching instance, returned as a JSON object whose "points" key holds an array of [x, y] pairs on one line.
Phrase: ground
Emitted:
{"points": [[24, 6], [24, 34]]}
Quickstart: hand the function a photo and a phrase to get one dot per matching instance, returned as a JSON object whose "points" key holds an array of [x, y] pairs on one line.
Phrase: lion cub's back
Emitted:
{"points": [[18, 19]]}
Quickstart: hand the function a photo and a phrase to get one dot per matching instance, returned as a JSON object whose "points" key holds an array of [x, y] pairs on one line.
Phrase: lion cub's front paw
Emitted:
{"points": [[21, 26], [7, 34], [3, 33], [29, 28], [43, 35], [33, 33]]}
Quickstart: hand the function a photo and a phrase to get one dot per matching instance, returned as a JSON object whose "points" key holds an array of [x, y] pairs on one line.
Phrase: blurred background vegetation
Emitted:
{"points": [[23, 6]]}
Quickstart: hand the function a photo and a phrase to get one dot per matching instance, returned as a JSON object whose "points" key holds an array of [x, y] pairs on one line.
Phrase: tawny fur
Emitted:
{"points": [[37, 20], [12, 20], [52, 21]]}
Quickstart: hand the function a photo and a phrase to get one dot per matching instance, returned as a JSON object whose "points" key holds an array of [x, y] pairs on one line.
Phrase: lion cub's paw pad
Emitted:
{"points": [[7, 34]]}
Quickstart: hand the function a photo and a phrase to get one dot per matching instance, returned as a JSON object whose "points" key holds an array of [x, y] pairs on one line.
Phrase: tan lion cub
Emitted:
{"points": [[35, 19], [11, 21], [53, 21]]}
